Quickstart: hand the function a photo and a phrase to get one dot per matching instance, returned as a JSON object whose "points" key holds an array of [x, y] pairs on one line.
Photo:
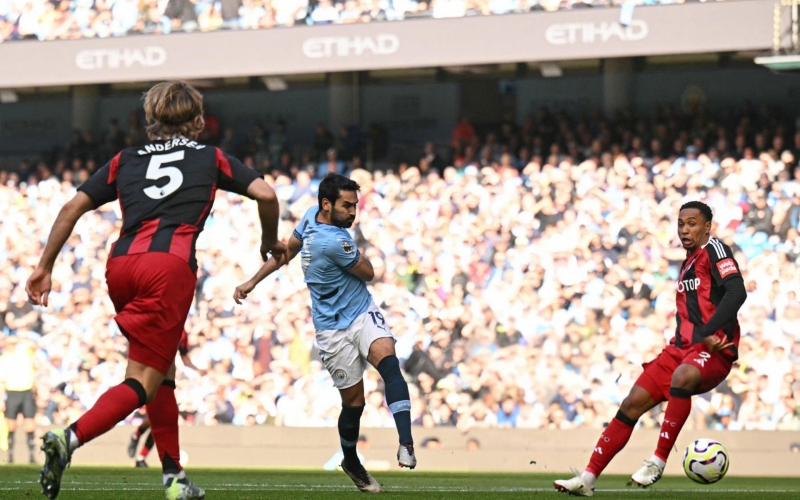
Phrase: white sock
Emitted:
{"points": [[73, 441], [589, 478], [167, 477], [658, 461]]}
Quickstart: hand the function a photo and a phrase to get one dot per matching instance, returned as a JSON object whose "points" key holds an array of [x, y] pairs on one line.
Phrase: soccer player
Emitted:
{"points": [[166, 190], [17, 375], [183, 350], [351, 329], [710, 291]]}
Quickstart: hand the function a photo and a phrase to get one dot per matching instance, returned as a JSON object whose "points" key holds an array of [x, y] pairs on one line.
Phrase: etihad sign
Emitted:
{"points": [[574, 33], [146, 57], [346, 46]]}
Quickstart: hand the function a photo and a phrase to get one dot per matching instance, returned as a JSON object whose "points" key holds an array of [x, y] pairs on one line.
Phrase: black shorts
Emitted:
{"points": [[20, 402]]}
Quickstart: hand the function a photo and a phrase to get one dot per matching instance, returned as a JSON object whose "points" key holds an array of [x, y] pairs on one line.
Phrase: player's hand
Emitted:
{"points": [[715, 343], [38, 287], [278, 250], [242, 291]]}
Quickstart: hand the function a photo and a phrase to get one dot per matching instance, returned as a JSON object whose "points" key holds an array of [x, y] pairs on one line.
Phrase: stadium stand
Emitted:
{"points": [[526, 277], [67, 20]]}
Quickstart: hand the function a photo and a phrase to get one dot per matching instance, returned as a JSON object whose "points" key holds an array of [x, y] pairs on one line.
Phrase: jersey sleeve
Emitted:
{"points": [[300, 231], [101, 187], [183, 345], [233, 175], [343, 252], [723, 266]]}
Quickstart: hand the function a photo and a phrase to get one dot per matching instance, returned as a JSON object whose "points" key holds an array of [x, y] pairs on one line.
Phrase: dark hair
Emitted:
{"points": [[332, 184], [699, 205]]}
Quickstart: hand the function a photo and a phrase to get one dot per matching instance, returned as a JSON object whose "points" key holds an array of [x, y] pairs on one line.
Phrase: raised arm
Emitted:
{"points": [[38, 286], [269, 267]]}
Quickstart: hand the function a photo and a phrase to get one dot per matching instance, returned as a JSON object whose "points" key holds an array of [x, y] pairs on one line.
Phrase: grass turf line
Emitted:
{"points": [[90, 483]]}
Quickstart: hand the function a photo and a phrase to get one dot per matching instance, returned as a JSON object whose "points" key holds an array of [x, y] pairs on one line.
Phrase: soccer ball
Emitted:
{"points": [[705, 461]]}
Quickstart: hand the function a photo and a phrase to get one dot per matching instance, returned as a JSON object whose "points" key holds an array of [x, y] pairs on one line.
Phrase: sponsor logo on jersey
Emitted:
{"points": [[347, 46], [690, 284], [591, 33], [145, 57], [726, 267]]}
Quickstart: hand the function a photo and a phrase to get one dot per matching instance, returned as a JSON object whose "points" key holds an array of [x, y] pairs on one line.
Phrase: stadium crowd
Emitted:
{"points": [[72, 19], [526, 278]]}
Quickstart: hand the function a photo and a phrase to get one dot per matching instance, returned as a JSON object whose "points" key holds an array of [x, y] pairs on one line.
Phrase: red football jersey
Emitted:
{"points": [[166, 190], [700, 290]]}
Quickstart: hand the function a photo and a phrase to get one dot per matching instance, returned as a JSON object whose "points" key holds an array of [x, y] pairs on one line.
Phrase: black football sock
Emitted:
{"points": [[349, 424], [397, 397]]}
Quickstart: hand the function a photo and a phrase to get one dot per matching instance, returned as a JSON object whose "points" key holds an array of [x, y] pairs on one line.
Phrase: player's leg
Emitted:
{"points": [[613, 439], [699, 372], [139, 387], [11, 424], [29, 424], [137, 435], [148, 445], [346, 367], [382, 356], [349, 424]]}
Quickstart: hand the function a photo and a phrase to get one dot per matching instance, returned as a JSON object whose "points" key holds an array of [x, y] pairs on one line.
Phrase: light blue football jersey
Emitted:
{"points": [[337, 297]]}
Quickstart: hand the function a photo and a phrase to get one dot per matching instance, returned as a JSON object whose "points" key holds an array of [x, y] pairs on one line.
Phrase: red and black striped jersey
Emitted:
{"points": [[165, 190], [700, 290]]}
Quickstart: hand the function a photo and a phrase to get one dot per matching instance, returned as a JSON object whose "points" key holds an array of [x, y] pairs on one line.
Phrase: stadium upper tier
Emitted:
{"points": [[72, 19]]}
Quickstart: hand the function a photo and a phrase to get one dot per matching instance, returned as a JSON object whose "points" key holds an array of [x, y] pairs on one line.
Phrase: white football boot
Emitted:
{"points": [[406, 457], [649, 474], [579, 486]]}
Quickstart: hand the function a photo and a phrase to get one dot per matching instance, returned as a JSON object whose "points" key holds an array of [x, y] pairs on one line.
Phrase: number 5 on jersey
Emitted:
{"points": [[155, 172]]}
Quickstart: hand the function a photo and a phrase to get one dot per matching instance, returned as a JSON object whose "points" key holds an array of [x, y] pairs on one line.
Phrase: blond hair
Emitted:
{"points": [[173, 108]]}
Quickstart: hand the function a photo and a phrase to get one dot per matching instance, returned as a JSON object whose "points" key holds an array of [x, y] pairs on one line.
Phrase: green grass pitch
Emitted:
{"points": [[90, 483]]}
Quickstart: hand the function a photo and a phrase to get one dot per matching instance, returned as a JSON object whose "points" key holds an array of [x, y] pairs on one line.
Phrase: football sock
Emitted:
{"points": [[349, 424], [31, 445], [611, 441], [397, 397], [114, 405], [678, 409], [148, 445], [163, 411], [10, 445]]}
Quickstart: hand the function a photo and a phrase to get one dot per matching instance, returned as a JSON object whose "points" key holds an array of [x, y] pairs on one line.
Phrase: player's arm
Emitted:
{"points": [[363, 269], [187, 361], [724, 271], [728, 307], [38, 286], [268, 212], [237, 178], [269, 267]]}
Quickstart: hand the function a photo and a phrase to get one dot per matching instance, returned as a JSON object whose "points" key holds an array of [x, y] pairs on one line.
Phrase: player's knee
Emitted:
{"points": [[686, 377], [354, 400], [633, 407]]}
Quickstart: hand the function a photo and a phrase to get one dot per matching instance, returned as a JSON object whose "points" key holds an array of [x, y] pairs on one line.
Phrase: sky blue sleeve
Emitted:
{"points": [[342, 251]]}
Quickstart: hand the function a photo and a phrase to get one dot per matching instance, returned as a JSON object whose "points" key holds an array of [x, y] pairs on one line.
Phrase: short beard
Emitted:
{"points": [[342, 223]]}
